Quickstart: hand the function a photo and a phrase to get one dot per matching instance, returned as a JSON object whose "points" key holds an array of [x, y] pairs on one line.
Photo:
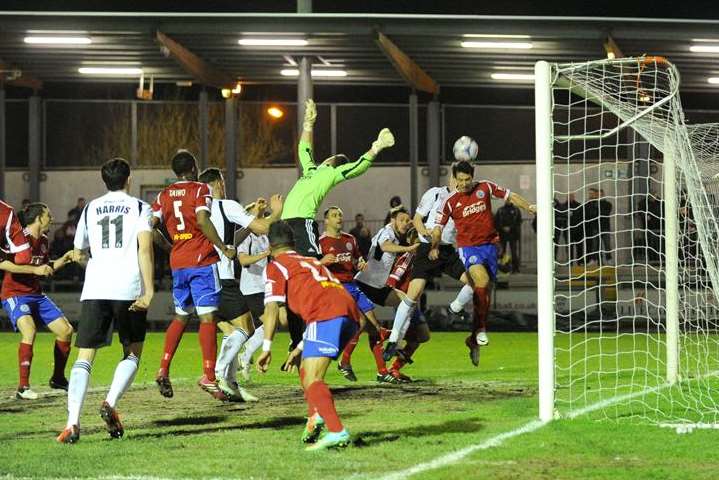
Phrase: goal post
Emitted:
{"points": [[627, 245]]}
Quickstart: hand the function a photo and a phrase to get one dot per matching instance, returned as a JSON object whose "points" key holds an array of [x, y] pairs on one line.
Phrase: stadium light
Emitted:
{"points": [[275, 112], [294, 72], [58, 40], [713, 80], [489, 35], [527, 77], [498, 45], [273, 42], [110, 70], [704, 48]]}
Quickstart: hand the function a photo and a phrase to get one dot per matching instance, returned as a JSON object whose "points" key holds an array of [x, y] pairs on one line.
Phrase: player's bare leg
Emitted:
{"points": [[26, 327], [62, 330], [77, 389], [173, 335], [319, 399], [124, 375]]}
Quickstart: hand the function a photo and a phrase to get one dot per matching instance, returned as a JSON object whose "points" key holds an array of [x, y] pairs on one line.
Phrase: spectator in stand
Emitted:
{"points": [[508, 221], [362, 234], [561, 227], [76, 211], [576, 229], [650, 218], [394, 202], [605, 227]]}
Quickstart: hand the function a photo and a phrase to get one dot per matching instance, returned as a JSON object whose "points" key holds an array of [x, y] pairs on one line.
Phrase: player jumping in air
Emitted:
{"points": [[331, 315], [185, 208], [306, 196], [24, 302], [117, 291], [343, 258], [424, 268], [471, 209]]}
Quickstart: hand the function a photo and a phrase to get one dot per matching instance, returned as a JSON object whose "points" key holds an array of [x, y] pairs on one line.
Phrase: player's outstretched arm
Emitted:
{"points": [[522, 203], [39, 270], [385, 139], [62, 261], [260, 226], [304, 147], [246, 259], [208, 230], [391, 247], [145, 257]]}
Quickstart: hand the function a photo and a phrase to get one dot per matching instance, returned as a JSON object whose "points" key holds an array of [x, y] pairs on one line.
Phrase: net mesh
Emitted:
{"points": [[626, 168]]}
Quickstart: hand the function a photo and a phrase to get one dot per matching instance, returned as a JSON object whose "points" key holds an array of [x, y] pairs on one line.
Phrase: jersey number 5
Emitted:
{"points": [[105, 225], [178, 214]]}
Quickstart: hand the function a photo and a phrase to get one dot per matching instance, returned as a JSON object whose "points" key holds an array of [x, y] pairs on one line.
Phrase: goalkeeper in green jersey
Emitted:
{"points": [[307, 194]]}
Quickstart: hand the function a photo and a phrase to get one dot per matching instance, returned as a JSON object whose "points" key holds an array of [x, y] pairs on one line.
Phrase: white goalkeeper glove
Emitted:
{"points": [[384, 140], [310, 115]]}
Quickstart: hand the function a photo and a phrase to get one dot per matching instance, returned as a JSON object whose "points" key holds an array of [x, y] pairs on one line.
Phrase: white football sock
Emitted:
{"points": [[253, 344], [230, 348], [124, 375], [77, 387], [463, 298], [404, 312]]}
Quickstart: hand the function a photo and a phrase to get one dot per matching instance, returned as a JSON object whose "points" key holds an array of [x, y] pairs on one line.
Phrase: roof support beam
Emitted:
{"points": [[202, 71], [612, 49], [412, 73]]}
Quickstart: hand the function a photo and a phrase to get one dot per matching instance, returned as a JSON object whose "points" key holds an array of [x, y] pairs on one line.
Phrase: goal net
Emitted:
{"points": [[633, 241]]}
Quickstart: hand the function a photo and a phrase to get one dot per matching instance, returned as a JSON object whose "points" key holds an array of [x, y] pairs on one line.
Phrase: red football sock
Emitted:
{"points": [[173, 335], [347, 352], [208, 343], [409, 349], [24, 358], [320, 396], [62, 353], [481, 307], [376, 346]]}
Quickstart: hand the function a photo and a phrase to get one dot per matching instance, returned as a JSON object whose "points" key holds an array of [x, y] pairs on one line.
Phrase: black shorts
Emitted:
{"points": [[97, 318], [377, 295], [307, 236], [256, 304], [448, 263], [232, 302]]}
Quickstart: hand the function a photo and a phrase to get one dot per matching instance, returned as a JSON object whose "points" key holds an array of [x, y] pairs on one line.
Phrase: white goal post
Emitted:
{"points": [[628, 245]]}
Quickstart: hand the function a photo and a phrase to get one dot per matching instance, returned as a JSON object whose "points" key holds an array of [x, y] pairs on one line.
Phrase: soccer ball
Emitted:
{"points": [[465, 148]]}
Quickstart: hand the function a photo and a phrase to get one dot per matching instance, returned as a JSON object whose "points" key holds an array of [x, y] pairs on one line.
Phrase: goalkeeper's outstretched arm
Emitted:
{"points": [[304, 148], [385, 139]]}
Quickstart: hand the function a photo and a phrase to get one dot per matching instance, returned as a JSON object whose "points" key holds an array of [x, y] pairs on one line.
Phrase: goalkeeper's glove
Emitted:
{"points": [[310, 115], [384, 139]]}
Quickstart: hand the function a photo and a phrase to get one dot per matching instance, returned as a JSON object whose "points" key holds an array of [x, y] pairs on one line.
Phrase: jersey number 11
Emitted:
{"points": [[105, 225]]}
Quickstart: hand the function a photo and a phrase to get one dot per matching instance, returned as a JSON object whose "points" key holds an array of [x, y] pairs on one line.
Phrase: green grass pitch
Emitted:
{"points": [[451, 406]]}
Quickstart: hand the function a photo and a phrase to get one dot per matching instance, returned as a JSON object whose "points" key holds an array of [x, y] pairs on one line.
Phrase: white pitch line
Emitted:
{"points": [[454, 457]]}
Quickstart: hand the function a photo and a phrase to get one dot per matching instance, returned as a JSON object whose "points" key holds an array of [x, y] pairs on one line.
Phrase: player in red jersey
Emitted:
{"points": [[330, 313], [471, 209], [184, 207], [13, 239], [343, 258], [24, 303]]}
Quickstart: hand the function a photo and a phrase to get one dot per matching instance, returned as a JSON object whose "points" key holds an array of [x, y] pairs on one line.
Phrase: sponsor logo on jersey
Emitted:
{"points": [[182, 236], [478, 207], [344, 257]]}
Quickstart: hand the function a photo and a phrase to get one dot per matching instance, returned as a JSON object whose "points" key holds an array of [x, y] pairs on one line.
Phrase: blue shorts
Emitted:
{"points": [[197, 287], [328, 337], [481, 255], [363, 303], [37, 306]]}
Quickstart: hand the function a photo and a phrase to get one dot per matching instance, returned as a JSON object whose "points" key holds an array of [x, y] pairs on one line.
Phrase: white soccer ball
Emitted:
{"points": [[465, 148]]}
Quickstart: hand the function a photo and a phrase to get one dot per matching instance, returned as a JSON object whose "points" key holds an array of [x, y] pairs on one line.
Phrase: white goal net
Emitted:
{"points": [[634, 240]]}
